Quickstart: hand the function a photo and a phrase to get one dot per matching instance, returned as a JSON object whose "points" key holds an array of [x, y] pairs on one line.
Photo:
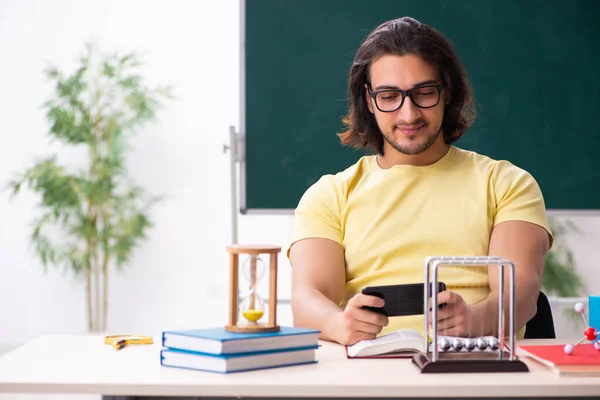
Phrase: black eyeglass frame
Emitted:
{"points": [[406, 93]]}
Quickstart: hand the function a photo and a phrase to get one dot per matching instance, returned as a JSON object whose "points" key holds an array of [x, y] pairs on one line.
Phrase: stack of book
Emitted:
{"points": [[216, 350]]}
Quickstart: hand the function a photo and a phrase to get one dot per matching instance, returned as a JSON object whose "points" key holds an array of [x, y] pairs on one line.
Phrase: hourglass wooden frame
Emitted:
{"points": [[234, 256]]}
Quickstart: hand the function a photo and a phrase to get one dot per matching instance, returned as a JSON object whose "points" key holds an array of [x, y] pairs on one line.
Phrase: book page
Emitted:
{"points": [[401, 340]]}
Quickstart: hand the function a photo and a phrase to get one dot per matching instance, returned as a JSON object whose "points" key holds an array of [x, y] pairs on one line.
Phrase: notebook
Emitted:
{"points": [[220, 341], [227, 363], [585, 359]]}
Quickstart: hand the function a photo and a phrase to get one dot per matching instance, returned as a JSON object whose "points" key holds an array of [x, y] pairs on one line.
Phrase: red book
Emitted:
{"points": [[585, 360]]}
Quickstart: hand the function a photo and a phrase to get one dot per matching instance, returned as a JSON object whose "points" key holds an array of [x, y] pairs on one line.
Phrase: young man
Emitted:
{"points": [[376, 222]]}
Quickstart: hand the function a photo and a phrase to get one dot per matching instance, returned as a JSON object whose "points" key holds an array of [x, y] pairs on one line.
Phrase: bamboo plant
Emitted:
{"points": [[93, 217]]}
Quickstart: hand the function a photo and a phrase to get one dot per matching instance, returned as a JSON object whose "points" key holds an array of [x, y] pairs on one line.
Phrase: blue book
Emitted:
{"points": [[237, 362], [219, 341]]}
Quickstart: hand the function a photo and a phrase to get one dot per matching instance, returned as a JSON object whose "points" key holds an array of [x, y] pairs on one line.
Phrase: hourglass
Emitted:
{"points": [[252, 306]]}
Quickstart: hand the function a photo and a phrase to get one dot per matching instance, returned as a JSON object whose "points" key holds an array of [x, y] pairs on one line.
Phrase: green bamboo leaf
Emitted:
{"points": [[52, 73], [131, 60], [109, 69], [560, 277], [131, 82]]}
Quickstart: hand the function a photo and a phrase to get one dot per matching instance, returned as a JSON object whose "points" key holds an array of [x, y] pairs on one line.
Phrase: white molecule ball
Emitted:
{"points": [[579, 307], [597, 345], [569, 349]]}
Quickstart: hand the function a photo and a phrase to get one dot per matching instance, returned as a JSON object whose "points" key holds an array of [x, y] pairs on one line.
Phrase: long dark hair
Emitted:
{"points": [[400, 37]]}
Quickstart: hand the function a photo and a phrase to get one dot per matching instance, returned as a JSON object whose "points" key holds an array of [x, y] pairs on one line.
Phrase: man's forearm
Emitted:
{"points": [[526, 292], [312, 309], [526, 244]]}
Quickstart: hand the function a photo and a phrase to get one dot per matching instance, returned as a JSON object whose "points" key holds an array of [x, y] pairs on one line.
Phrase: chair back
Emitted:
{"points": [[541, 326]]}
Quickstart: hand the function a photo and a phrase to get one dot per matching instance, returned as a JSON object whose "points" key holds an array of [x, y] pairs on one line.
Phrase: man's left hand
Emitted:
{"points": [[456, 317]]}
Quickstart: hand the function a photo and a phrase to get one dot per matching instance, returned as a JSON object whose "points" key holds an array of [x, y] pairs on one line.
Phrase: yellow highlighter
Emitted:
{"points": [[120, 341]]}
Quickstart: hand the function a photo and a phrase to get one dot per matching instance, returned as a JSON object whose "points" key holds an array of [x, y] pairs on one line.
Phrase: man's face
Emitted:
{"points": [[410, 129]]}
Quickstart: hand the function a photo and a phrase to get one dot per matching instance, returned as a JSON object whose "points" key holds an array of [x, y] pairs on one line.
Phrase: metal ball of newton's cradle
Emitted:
{"points": [[445, 344], [482, 344], [493, 343], [457, 344], [470, 344]]}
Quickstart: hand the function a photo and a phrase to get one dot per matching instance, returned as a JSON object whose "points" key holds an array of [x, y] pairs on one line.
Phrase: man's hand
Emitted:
{"points": [[457, 318], [355, 324]]}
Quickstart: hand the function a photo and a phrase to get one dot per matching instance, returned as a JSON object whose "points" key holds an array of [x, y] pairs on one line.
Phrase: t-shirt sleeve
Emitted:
{"points": [[518, 197], [318, 212]]}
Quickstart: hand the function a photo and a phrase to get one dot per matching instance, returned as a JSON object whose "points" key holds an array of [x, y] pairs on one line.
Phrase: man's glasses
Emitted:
{"points": [[390, 100]]}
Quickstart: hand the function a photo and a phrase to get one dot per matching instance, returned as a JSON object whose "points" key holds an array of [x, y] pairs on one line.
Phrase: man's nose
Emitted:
{"points": [[409, 112]]}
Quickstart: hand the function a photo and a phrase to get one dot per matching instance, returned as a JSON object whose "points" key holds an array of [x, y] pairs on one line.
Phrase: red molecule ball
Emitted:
{"points": [[590, 333]]}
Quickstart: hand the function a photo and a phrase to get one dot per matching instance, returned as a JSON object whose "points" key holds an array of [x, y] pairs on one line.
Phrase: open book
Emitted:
{"points": [[400, 343], [405, 343]]}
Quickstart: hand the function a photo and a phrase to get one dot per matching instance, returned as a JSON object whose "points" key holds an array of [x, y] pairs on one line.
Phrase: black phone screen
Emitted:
{"points": [[400, 300]]}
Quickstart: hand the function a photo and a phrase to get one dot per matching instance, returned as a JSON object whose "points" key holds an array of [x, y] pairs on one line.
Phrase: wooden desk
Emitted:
{"points": [[84, 364]]}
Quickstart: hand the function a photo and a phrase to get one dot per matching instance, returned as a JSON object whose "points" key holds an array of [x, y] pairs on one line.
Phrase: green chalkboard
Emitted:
{"points": [[534, 67]]}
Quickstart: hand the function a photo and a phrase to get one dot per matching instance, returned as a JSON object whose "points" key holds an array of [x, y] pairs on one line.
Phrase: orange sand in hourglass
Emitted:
{"points": [[251, 313]]}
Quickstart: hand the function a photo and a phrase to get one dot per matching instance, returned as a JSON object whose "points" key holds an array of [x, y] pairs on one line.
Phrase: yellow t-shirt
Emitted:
{"points": [[389, 220]]}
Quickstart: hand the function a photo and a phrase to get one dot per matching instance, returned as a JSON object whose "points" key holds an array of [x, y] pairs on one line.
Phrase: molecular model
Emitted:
{"points": [[590, 333]]}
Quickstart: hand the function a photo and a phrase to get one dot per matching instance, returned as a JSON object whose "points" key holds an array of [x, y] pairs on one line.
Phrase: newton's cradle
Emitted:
{"points": [[450, 355]]}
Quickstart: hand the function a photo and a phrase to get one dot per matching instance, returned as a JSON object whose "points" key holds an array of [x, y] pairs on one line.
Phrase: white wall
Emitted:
{"points": [[193, 45], [178, 277]]}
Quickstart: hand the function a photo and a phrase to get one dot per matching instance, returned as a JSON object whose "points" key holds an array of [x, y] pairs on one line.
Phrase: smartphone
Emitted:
{"points": [[401, 300]]}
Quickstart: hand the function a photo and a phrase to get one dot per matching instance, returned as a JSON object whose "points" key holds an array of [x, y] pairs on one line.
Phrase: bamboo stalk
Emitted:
{"points": [[105, 291], [88, 296], [93, 215], [88, 269], [97, 291], [105, 258]]}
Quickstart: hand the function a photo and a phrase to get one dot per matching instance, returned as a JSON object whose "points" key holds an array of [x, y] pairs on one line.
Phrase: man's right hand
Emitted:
{"points": [[355, 323]]}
